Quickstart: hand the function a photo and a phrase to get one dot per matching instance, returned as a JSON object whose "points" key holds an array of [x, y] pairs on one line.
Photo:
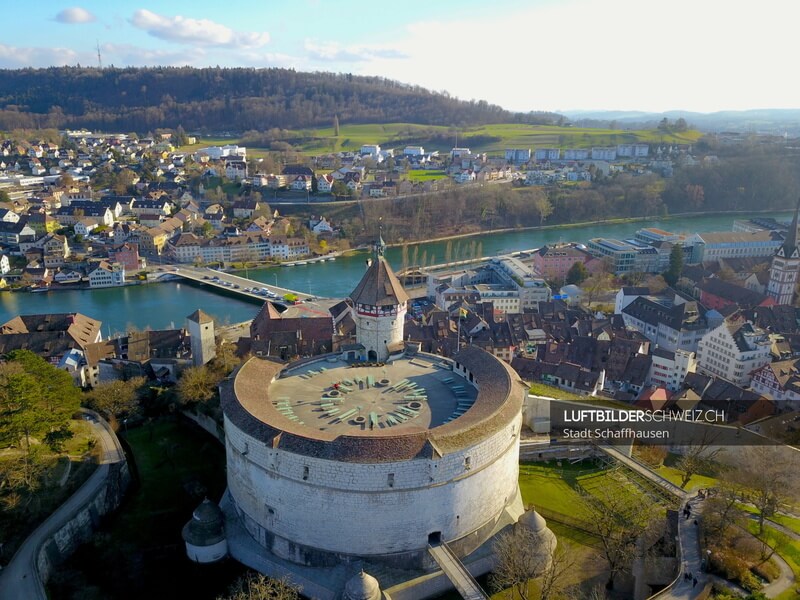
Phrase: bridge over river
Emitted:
{"points": [[236, 284]]}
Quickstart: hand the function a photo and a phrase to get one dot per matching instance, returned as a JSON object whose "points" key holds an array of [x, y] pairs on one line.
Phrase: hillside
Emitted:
{"points": [[226, 100]]}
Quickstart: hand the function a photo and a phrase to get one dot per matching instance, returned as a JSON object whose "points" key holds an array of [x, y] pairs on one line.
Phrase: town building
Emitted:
{"points": [[669, 369], [733, 350], [671, 320], [106, 274], [554, 262]]}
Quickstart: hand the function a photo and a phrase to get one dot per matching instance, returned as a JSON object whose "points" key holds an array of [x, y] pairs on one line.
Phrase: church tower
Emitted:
{"points": [[379, 307], [783, 274]]}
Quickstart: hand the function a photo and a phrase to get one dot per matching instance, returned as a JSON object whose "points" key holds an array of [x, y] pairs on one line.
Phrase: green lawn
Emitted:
{"points": [[559, 489], [550, 391], [695, 483], [425, 175], [487, 138], [23, 509], [792, 523], [790, 552]]}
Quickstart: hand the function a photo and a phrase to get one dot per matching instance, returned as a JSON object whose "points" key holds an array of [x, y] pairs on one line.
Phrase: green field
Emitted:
{"points": [[425, 175], [560, 488], [695, 483], [487, 138]]}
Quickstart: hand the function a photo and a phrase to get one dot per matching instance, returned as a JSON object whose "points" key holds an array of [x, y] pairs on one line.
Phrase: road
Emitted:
{"points": [[20, 579], [204, 275]]}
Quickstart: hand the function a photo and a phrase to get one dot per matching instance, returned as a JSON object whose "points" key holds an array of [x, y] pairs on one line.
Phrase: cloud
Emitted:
{"points": [[136, 56], [201, 32], [334, 52], [17, 57], [74, 15]]}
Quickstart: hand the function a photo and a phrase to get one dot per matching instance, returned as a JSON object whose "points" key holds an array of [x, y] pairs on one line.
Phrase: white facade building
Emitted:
{"points": [[733, 351], [107, 274], [669, 369]]}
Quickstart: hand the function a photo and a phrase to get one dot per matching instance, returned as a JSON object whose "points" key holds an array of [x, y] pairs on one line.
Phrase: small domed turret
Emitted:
{"points": [[204, 534], [362, 587], [537, 524]]}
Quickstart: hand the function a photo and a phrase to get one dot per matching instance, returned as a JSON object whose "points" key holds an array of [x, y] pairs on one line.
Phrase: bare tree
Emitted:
{"points": [[254, 586], [543, 208], [697, 457], [768, 477], [553, 581], [520, 557], [721, 512], [618, 518]]}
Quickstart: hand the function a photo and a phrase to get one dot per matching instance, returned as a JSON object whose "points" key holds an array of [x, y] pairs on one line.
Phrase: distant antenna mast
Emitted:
{"points": [[99, 59]]}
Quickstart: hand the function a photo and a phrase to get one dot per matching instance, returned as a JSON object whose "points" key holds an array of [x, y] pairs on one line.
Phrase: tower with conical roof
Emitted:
{"points": [[785, 268], [379, 307]]}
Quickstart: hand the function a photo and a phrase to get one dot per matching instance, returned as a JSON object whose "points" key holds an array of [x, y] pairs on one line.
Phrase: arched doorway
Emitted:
{"points": [[372, 355]]}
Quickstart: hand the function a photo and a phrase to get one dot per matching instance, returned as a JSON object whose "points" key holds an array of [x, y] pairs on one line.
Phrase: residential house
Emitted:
{"points": [[779, 380], [288, 248], [319, 225], [244, 209], [298, 331], [325, 184], [145, 206], [8, 216], [301, 183], [69, 215], [12, 234], [235, 170], [126, 254], [51, 336], [106, 274], [153, 240], [84, 227], [719, 294]]}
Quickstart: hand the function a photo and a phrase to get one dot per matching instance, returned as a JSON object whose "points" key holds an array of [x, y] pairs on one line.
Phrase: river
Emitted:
{"points": [[165, 305]]}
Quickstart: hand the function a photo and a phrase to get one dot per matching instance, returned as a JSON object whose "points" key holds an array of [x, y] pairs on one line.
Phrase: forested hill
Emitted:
{"points": [[216, 99]]}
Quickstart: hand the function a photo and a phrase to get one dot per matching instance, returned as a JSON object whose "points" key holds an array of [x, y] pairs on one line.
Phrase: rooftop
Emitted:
{"points": [[336, 398], [424, 410]]}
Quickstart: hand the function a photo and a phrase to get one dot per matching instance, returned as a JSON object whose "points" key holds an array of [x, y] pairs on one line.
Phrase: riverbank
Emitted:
{"points": [[614, 221], [166, 306]]}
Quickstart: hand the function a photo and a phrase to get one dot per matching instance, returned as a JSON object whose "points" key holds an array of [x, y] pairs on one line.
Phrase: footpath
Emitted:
{"points": [[20, 580]]}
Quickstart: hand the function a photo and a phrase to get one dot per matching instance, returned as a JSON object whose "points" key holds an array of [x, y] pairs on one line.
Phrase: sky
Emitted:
{"points": [[524, 55]]}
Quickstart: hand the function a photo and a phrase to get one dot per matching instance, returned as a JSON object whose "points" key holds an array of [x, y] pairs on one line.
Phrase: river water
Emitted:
{"points": [[165, 305]]}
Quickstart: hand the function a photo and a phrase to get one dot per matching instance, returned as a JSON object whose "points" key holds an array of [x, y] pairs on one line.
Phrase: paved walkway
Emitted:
{"points": [[20, 579], [686, 589], [457, 573]]}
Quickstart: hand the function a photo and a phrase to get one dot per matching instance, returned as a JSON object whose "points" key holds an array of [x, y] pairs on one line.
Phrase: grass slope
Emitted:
{"points": [[488, 138]]}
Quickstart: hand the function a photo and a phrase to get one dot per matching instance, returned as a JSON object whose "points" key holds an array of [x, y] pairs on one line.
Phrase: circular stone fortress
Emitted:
{"points": [[367, 457]]}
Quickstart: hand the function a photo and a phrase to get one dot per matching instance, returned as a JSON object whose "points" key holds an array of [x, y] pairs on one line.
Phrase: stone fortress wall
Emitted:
{"points": [[391, 507]]}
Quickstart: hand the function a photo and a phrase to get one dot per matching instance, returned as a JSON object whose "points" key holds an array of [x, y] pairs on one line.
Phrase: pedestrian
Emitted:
{"points": [[694, 581], [695, 522]]}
